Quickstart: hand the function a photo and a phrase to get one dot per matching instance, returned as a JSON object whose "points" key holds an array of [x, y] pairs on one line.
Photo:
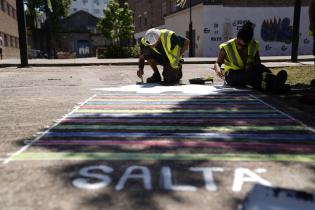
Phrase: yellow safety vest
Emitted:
{"points": [[173, 55], [234, 60]]}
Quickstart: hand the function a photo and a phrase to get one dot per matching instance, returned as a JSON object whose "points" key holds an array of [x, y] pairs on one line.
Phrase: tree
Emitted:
{"points": [[117, 23], [54, 10]]}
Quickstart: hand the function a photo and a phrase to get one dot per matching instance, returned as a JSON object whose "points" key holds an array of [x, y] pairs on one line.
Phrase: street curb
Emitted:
{"points": [[130, 63]]}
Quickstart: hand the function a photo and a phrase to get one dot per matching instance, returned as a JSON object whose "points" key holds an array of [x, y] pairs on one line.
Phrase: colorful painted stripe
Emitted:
{"points": [[77, 156], [180, 128], [213, 123], [227, 136], [170, 102], [253, 146], [181, 116], [203, 100], [190, 122]]}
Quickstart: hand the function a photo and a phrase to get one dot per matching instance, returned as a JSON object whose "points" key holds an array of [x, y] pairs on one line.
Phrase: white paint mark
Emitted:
{"points": [[6, 161], [144, 175], [260, 170], [156, 88], [242, 175], [85, 183], [167, 183], [208, 176]]}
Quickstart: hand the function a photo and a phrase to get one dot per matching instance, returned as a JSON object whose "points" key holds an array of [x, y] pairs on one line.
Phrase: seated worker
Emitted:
{"points": [[242, 64], [165, 48]]}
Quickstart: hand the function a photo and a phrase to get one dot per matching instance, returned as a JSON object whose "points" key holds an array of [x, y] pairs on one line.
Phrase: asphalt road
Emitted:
{"points": [[33, 98]]}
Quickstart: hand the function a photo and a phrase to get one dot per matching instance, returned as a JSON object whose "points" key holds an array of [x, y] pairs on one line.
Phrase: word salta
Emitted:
{"points": [[99, 176]]}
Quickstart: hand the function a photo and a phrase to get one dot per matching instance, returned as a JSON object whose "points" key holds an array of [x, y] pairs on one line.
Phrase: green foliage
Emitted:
{"points": [[117, 23], [118, 52]]}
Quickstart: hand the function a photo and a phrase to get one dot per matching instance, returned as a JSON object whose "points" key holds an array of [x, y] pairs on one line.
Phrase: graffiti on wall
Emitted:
{"points": [[277, 30], [213, 31]]}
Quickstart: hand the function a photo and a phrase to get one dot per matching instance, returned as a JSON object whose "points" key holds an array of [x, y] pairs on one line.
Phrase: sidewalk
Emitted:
{"points": [[270, 61]]}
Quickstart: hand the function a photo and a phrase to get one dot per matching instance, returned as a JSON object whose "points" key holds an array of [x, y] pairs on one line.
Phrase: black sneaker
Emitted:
{"points": [[281, 77], [155, 78]]}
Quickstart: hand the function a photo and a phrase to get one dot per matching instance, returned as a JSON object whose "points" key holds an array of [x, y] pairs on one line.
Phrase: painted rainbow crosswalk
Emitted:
{"points": [[225, 126]]}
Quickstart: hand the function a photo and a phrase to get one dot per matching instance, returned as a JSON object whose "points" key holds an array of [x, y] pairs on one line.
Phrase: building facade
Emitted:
{"points": [[94, 7], [214, 23], [9, 29], [79, 35]]}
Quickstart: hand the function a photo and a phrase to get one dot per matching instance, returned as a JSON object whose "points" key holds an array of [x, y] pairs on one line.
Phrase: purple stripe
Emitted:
{"points": [[189, 144], [185, 121]]}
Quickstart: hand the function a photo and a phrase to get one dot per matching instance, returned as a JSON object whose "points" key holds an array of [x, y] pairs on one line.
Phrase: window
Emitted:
{"points": [[8, 9], [75, 9], [12, 41], [16, 42], [2, 5], [13, 13], [140, 20], [97, 2], [6, 41], [96, 11], [163, 9], [84, 2]]}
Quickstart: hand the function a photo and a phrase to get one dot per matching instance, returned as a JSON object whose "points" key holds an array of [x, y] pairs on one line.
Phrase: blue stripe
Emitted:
{"points": [[183, 116], [253, 137], [171, 102]]}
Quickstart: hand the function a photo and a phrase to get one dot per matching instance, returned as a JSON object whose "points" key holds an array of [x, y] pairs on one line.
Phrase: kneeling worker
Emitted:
{"points": [[163, 47], [242, 64]]}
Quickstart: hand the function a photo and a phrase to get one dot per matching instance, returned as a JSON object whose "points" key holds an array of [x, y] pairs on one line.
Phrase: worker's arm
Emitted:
{"points": [[219, 62], [184, 47], [141, 66]]}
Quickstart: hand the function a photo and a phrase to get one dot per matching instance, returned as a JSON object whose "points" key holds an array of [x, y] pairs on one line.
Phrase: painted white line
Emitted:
{"points": [[7, 160], [287, 115]]}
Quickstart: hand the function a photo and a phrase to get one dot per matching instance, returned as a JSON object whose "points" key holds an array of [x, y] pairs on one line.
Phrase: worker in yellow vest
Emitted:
{"points": [[163, 47], [242, 64]]}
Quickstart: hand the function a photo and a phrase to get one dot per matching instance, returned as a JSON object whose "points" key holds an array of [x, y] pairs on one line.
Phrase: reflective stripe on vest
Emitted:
{"points": [[234, 60], [172, 55]]}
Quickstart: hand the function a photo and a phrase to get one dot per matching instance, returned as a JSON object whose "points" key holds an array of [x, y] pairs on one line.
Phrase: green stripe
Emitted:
{"points": [[174, 128], [175, 111], [165, 156]]}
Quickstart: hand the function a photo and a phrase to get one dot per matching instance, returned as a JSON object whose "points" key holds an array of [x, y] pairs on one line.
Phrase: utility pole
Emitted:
{"points": [[296, 31], [190, 32], [22, 32]]}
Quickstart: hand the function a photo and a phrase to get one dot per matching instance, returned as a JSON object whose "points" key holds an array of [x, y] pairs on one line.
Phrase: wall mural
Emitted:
{"points": [[277, 30]]}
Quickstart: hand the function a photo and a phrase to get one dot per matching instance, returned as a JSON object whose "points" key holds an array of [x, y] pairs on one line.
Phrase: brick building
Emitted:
{"points": [[9, 28]]}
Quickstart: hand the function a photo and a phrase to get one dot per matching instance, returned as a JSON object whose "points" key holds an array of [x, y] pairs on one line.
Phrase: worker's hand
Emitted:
{"points": [[140, 73], [219, 73]]}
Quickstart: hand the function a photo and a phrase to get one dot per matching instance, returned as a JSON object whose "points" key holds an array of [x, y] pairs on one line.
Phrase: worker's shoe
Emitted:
{"points": [[276, 83], [282, 77], [155, 78]]}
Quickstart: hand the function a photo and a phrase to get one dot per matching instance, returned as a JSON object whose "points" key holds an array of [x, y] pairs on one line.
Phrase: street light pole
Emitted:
{"points": [[296, 31], [190, 32], [22, 32]]}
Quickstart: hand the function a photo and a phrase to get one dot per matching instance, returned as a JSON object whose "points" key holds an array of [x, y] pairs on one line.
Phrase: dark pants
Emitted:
{"points": [[0, 52], [170, 75], [243, 77]]}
